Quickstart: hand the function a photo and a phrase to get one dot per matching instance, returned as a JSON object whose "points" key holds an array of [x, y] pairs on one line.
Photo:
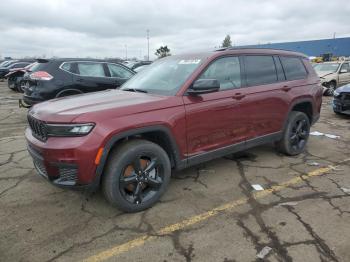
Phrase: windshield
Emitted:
{"points": [[163, 77], [329, 67]]}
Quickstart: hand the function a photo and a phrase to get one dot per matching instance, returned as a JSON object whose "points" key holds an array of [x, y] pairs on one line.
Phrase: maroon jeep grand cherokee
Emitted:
{"points": [[180, 111]]}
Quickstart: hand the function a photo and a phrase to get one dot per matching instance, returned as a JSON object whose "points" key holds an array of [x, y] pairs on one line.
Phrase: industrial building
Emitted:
{"points": [[334, 46]]}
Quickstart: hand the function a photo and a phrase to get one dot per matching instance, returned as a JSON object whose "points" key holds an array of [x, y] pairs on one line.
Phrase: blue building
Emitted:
{"points": [[335, 46]]}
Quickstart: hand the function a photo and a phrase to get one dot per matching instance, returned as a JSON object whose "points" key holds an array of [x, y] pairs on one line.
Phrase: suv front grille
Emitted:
{"points": [[39, 129], [68, 174], [345, 97]]}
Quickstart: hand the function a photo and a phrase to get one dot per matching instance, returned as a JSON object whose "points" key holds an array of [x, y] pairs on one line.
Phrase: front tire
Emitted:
{"points": [[136, 176], [331, 88], [295, 135]]}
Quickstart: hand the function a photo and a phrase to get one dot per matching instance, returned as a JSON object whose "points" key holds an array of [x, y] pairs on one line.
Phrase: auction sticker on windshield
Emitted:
{"points": [[189, 61]]}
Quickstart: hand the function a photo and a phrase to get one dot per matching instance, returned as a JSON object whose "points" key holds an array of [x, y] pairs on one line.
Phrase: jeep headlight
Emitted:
{"points": [[69, 129]]}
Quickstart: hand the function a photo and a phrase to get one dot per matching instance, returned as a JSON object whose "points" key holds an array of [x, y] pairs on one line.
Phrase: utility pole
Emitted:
{"points": [[147, 44]]}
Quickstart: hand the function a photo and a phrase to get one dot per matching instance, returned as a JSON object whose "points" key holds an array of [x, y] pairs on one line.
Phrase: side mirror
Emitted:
{"points": [[342, 71], [204, 86]]}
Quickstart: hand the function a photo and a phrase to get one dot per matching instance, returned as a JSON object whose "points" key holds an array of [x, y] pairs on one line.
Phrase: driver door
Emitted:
{"points": [[214, 120]]}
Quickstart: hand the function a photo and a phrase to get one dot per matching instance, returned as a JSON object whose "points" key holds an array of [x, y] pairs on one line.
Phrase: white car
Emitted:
{"points": [[333, 74]]}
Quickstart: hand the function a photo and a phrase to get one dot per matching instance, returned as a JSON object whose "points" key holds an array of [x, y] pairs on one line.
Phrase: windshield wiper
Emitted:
{"points": [[134, 90]]}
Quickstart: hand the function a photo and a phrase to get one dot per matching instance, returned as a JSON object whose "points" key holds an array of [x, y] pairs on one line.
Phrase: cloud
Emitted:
{"points": [[109, 28]]}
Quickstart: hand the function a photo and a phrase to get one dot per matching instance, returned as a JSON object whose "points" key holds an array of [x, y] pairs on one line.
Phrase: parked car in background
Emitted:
{"points": [[135, 64], [140, 68], [183, 110], [6, 62], [15, 77], [333, 75], [54, 78], [13, 65], [341, 100]]}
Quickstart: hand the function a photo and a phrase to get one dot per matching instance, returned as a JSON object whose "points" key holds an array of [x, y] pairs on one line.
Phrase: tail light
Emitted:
{"points": [[41, 75]]}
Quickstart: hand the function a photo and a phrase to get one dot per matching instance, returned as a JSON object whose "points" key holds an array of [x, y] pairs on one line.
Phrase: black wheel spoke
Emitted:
{"points": [[128, 180], [151, 165], [136, 164], [293, 137], [154, 182], [138, 193], [299, 127], [303, 134]]}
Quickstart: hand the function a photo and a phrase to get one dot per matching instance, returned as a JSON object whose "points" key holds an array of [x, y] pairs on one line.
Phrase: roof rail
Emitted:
{"points": [[250, 47]]}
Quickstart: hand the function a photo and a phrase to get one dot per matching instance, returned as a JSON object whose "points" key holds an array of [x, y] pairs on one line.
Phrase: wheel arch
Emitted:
{"points": [[77, 91], [304, 105], [158, 134]]}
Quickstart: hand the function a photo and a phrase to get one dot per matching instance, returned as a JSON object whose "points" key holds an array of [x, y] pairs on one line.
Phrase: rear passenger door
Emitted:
{"points": [[266, 100], [91, 76], [119, 74]]}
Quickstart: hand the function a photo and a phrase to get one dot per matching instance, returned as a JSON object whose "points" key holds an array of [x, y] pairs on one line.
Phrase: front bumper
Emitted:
{"points": [[31, 100], [341, 104], [64, 162]]}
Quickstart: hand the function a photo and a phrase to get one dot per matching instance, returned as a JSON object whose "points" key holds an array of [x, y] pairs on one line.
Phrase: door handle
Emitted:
{"points": [[286, 88], [238, 96]]}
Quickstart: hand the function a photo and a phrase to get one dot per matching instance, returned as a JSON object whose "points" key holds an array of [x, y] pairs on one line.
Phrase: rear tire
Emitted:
{"points": [[136, 176], [295, 134]]}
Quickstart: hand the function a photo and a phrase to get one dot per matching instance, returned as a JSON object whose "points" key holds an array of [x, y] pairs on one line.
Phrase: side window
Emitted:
{"points": [[118, 71], [293, 68], [260, 70], [19, 65], [68, 66], [226, 70], [91, 69], [346, 67]]}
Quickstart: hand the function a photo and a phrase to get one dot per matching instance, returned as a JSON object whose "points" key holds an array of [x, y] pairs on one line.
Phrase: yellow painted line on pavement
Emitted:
{"points": [[139, 241]]}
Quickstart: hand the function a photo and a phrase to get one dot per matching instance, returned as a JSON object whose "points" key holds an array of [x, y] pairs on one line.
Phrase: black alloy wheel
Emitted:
{"points": [[295, 134], [299, 134], [137, 175], [141, 179]]}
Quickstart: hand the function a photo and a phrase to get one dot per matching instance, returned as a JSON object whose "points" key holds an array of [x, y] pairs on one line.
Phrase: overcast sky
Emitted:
{"points": [[98, 28]]}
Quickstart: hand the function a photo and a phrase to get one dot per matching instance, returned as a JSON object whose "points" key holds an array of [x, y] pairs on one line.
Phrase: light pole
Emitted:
{"points": [[147, 44]]}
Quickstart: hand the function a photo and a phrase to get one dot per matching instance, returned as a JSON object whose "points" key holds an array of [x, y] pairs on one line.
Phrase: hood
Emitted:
{"points": [[67, 109], [324, 73], [15, 73], [345, 88]]}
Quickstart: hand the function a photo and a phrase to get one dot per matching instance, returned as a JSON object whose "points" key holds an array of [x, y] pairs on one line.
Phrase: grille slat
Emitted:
{"points": [[68, 174], [38, 128]]}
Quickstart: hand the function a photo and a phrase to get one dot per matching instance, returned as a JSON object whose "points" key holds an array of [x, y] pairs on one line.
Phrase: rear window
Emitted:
{"points": [[293, 68], [38, 67], [91, 69], [260, 70]]}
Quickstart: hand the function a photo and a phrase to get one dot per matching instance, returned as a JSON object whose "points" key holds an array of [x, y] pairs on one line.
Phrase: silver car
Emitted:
{"points": [[333, 75]]}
